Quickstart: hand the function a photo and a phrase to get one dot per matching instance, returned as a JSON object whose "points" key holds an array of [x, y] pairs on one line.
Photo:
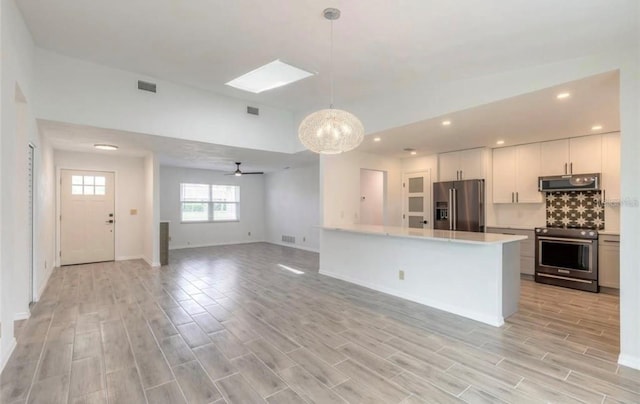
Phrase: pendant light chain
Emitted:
{"points": [[331, 65]]}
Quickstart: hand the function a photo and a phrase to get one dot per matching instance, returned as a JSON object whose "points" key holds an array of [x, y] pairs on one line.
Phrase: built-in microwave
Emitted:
{"points": [[575, 182]]}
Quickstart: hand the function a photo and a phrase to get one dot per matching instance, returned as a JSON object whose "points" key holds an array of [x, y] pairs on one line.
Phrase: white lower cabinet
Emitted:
{"points": [[609, 261], [527, 247]]}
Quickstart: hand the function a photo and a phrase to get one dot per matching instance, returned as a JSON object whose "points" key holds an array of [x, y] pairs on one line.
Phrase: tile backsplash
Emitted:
{"points": [[582, 209]]}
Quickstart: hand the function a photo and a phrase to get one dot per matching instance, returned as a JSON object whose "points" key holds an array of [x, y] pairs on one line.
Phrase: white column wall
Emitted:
{"points": [[340, 184]]}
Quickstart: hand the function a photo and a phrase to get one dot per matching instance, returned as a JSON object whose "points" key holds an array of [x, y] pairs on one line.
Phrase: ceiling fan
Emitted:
{"points": [[239, 172]]}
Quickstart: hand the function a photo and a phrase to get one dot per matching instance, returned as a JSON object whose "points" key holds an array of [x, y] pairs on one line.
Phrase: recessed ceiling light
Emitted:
{"points": [[376, 139], [596, 127], [413, 153], [102, 146], [446, 123], [563, 96], [270, 76], [500, 142]]}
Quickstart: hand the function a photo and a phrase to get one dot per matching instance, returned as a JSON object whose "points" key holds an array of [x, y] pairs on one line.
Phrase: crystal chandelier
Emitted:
{"points": [[331, 131]]}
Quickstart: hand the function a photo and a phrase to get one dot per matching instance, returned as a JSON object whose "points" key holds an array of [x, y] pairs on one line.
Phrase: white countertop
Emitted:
{"points": [[428, 234]]}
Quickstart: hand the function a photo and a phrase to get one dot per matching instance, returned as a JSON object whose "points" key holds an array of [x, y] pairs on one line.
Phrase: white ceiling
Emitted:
{"points": [[170, 151], [381, 46], [532, 117]]}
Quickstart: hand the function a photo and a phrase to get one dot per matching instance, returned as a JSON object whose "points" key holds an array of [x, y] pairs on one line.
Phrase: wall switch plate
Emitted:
{"points": [[401, 275]]}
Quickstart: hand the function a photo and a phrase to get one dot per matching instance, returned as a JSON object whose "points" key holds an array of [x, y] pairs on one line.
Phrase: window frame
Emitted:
{"points": [[210, 203]]}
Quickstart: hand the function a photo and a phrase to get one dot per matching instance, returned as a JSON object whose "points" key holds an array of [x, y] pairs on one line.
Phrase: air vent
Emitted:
{"points": [[288, 239], [253, 110], [146, 86]]}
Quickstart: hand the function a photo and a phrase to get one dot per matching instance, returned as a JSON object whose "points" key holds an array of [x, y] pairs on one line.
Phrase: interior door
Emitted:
{"points": [[417, 200], [87, 217]]}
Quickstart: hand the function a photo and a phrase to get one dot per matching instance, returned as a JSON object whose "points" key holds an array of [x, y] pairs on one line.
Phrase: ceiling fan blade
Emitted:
{"points": [[254, 172]]}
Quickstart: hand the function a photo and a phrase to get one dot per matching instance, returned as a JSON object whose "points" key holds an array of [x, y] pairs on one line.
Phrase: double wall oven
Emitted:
{"points": [[567, 257]]}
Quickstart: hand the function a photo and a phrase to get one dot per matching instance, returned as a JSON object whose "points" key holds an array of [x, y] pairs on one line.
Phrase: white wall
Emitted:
{"points": [[45, 214], [17, 51], [129, 194], [340, 187], [74, 91], [372, 188], [151, 219], [292, 206], [185, 235]]}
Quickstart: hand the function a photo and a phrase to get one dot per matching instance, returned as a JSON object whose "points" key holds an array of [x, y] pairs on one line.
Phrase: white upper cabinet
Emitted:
{"points": [[528, 164], [504, 175], [472, 163], [461, 165], [449, 166], [578, 155], [585, 154], [555, 157], [611, 167], [515, 174]]}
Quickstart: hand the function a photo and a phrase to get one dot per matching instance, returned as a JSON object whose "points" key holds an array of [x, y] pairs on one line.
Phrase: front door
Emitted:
{"points": [[417, 200], [87, 217]]}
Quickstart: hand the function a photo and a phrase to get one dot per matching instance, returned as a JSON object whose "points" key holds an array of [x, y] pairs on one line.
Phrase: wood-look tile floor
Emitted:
{"points": [[228, 324]]}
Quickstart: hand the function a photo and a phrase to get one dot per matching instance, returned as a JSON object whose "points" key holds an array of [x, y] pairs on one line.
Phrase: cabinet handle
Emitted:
{"points": [[570, 168], [517, 197], [612, 241], [512, 198], [604, 196], [461, 175], [565, 168]]}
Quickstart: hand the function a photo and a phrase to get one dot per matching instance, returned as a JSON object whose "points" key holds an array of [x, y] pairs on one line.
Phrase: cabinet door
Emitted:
{"points": [[527, 170], [555, 155], [609, 262], [472, 164], [448, 166], [585, 154], [611, 167], [504, 174]]}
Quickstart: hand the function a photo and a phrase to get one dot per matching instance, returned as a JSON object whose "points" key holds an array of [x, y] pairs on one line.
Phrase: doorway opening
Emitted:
{"points": [[372, 196]]}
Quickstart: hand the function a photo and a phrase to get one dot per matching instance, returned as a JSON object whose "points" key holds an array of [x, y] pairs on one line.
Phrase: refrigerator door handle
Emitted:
{"points": [[455, 209]]}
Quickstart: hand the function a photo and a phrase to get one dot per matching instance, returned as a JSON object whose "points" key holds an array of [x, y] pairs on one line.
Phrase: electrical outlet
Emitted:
{"points": [[401, 275], [249, 234], [304, 239]]}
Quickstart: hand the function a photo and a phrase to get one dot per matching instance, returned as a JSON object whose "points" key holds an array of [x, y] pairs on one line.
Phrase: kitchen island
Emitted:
{"points": [[474, 275]]}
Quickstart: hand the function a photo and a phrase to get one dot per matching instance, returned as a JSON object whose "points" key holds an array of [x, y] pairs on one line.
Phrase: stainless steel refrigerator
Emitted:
{"points": [[459, 205]]}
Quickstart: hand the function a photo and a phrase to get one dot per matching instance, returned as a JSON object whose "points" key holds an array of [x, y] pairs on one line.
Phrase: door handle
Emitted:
{"points": [[425, 222]]}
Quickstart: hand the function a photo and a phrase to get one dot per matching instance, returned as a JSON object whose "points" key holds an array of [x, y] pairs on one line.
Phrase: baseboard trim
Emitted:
{"points": [[23, 315], [129, 257], [185, 247], [150, 262], [44, 284], [490, 320], [629, 361], [5, 358], [296, 246]]}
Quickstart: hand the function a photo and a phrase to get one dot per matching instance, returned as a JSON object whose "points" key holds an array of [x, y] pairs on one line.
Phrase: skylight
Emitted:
{"points": [[272, 75]]}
